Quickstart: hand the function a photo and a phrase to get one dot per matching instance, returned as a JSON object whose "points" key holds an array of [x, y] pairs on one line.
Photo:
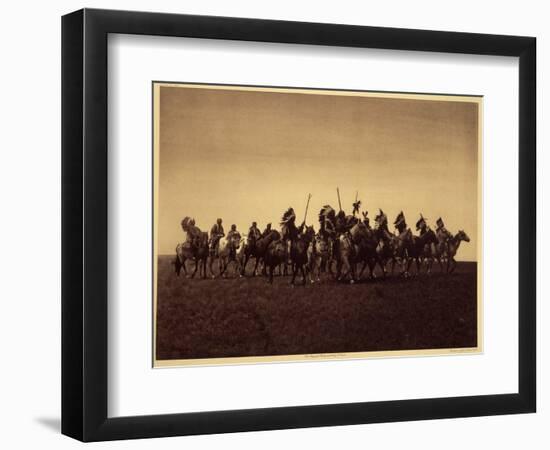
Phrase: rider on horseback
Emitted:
{"points": [[422, 225], [266, 231], [233, 234], [289, 229], [192, 233], [442, 233], [366, 219], [327, 229], [254, 234], [401, 225], [341, 224], [216, 233]]}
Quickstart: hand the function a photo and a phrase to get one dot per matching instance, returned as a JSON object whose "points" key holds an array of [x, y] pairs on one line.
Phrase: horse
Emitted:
{"points": [[184, 251], [345, 258], [366, 243], [419, 247], [197, 252], [439, 253], [275, 253], [299, 253], [256, 248], [452, 248], [400, 242], [228, 252], [385, 248], [318, 256]]}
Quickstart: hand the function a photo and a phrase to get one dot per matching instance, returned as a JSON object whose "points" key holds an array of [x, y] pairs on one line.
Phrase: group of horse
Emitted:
{"points": [[344, 257]]}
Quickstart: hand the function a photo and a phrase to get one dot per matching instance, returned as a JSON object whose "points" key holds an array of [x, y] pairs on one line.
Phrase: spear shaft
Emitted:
{"points": [[339, 202], [307, 206]]}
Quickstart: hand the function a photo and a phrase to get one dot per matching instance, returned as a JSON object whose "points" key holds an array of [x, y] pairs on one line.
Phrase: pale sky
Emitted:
{"points": [[248, 155]]}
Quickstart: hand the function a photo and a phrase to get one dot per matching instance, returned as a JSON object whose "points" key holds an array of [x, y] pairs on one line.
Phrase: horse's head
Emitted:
{"points": [[309, 233], [462, 236], [234, 241], [359, 231]]}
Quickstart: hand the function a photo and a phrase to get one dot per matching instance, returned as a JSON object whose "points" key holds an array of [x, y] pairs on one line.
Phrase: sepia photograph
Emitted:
{"points": [[296, 224]]}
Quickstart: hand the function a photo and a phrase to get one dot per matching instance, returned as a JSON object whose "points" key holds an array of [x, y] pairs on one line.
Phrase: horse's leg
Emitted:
{"points": [[344, 269], [454, 265], [271, 269], [183, 266], [317, 267], [177, 265], [382, 266], [243, 268], [221, 268], [339, 266], [352, 271], [418, 265], [409, 264], [311, 266], [303, 270], [196, 267], [256, 266], [204, 266], [293, 273], [212, 264]]}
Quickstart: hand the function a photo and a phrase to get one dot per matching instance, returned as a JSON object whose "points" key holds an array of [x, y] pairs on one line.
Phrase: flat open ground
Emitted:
{"points": [[234, 317]]}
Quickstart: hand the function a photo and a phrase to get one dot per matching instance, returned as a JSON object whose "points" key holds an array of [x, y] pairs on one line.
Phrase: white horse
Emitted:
{"points": [[318, 256], [229, 251], [452, 248]]}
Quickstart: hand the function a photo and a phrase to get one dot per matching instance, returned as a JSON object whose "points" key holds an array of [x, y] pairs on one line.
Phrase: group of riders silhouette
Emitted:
{"points": [[342, 244]]}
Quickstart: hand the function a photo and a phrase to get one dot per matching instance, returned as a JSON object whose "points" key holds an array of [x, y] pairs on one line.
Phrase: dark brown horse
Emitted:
{"points": [[452, 247], [197, 251], [257, 248], [298, 253], [366, 244], [420, 247], [275, 253]]}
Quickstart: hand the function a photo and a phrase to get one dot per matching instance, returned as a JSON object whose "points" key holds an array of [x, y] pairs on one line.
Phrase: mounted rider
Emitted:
{"points": [[254, 234], [422, 225], [216, 233], [233, 234], [288, 225], [341, 224], [443, 235], [266, 231], [327, 219], [356, 207], [366, 219], [382, 231], [423, 228], [192, 233], [289, 230], [400, 225]]}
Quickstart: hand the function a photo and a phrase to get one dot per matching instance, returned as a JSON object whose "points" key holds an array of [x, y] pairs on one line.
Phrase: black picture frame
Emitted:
{"points": [[84, 224]]}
